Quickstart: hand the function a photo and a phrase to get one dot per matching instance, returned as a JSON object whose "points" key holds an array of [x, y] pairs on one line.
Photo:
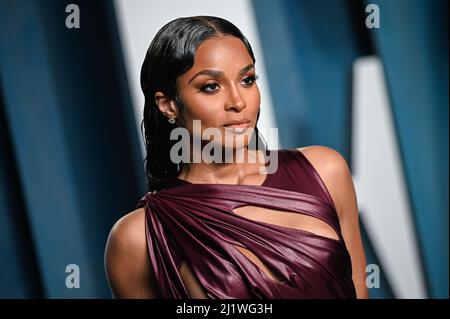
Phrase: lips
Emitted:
{"points": [[241, 125], [244, 123], [237, 127]]}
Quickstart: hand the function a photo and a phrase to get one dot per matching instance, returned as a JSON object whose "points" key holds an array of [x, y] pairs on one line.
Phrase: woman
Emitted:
{"points": [[225, 228]]}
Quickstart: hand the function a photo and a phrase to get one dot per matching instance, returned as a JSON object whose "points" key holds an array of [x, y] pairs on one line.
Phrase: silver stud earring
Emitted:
{"points": [[171, 120]]}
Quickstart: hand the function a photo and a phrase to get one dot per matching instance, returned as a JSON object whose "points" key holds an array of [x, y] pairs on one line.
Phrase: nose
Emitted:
{"points": [[235, 101]]}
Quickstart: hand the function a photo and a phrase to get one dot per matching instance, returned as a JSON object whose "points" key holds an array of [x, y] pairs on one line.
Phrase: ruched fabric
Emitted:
{"points": [[196, 223]]}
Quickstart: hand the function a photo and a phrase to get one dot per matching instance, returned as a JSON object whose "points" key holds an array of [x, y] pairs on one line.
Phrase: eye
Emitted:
{"points": [[210, 88], [250, 80]]}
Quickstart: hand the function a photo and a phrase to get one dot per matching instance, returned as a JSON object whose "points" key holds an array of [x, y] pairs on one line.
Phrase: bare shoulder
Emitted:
{"points": [[129, 230], [333, 170], [127, 262], [323, 157]]}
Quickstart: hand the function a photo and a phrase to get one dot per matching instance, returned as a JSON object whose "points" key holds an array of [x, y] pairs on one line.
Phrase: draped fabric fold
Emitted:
{"points": [[196, 223]]}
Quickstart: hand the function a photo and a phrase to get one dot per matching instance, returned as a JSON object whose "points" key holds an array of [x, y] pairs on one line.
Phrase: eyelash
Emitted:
{"points": [[204, 88]]}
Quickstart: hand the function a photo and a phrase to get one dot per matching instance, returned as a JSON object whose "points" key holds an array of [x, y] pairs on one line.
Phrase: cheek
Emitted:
{"points": [[258, 97], [204, 108], [253, 100], [201, 107]]}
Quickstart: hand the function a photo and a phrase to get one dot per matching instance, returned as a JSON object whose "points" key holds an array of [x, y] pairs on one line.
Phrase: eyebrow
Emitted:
{"points": [[217, 74]]}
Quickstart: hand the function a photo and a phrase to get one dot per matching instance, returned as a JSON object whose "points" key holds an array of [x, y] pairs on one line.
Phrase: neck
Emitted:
{"points": [[233, 167]]}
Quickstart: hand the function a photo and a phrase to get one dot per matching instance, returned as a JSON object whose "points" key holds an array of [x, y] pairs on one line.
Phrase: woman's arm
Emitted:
{"points": [[335, 173], [127, 262]]}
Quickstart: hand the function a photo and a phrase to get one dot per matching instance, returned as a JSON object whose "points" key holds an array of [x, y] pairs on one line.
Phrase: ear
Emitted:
{"points": [[166, 105]]}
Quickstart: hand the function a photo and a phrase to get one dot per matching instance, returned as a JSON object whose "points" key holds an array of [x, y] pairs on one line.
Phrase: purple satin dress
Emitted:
{"points": [[196, 223]]}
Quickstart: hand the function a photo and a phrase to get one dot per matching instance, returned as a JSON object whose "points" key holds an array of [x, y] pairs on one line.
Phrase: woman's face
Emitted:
{"points": [[220, 90]]}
